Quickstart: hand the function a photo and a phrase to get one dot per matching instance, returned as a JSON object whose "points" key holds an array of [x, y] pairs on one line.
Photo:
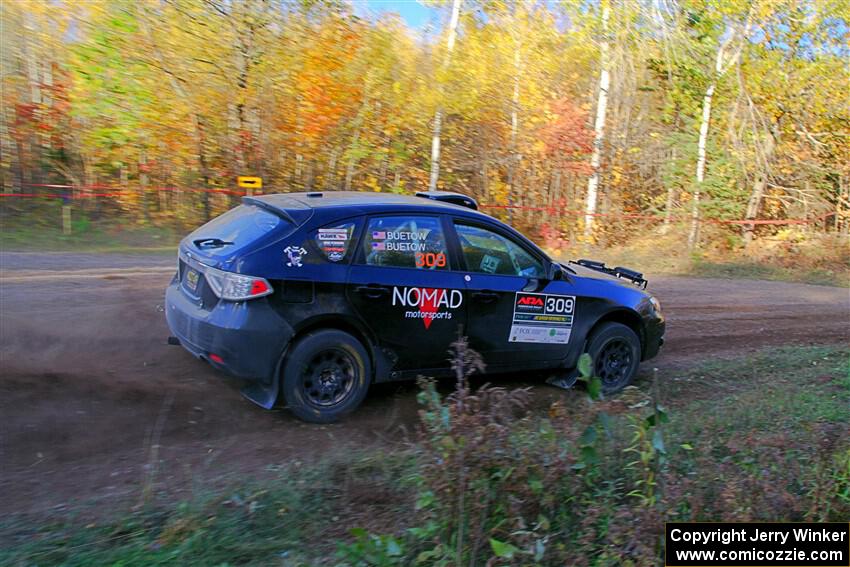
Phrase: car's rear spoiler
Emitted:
{"points": [[620, 272], [449, 197], [283, 206]]}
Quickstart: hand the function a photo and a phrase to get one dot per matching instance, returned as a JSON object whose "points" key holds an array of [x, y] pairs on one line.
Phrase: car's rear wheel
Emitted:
{"points": [[615, 350], [326, 376]]}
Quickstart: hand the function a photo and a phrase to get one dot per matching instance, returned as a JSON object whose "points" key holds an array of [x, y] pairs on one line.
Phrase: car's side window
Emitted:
{"points": [[406, 242], [488, 252], [334, 241]]}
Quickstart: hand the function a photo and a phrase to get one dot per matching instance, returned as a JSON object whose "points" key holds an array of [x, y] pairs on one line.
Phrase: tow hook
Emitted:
{"points": [[174, 341]]}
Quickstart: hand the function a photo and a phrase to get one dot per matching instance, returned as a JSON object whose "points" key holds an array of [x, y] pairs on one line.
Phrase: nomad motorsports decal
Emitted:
{"points": [[542, 318], [430, 303]]}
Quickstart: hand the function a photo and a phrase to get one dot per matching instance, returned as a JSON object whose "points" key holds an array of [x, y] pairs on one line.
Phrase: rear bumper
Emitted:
{"points": [[248, 337]]}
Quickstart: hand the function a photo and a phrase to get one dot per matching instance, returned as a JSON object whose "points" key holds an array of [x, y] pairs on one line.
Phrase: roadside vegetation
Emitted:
{"points": [[587, 122], [488, 482], [790, 255]]}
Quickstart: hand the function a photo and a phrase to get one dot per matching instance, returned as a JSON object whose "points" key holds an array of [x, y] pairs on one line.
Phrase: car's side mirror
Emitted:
{"points": [[556, 272]]}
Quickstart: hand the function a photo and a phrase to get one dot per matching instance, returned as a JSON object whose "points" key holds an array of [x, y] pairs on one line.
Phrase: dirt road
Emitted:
{"points": [[95, 406]]}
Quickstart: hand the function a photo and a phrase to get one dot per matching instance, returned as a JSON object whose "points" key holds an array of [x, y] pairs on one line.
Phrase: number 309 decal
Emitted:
{"points": [[430, 260], [559, 304]]}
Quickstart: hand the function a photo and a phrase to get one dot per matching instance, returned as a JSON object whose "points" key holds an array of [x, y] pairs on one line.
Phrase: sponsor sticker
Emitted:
{"points": [[294, 255], [490, 264], [333, 234], [427, 304], [333, 242], [542, 318]]}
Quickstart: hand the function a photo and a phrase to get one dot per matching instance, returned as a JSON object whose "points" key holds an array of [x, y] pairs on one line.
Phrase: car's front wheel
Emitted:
{"points": [[326, 376], [615, 350]]}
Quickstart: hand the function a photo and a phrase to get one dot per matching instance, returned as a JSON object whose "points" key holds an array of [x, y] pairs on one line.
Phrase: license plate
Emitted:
{"points": [[192, 280]]}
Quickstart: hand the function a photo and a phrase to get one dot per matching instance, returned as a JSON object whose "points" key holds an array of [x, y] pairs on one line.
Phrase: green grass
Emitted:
{"points": [[783, 389], [28, 231], [727, 410], [816, 259], [294, 519], [88, 238]]}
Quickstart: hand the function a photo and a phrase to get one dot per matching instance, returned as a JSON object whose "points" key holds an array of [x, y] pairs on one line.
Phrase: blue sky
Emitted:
{"points": [[415, 14]]}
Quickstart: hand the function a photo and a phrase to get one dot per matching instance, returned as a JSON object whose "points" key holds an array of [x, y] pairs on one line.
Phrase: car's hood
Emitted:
{"points": [[583, 272], [598, 277]]}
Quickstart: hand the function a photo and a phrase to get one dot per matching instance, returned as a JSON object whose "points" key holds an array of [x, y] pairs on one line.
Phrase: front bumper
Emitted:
{"points": [[247, 336], [654, 339]]}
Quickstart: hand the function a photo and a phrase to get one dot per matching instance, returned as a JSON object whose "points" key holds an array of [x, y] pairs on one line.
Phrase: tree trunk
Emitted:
{"points": [[721, 64], [385, 161], [438, 115], [330, 178], [514, 158], [352, 160], [754, 202], [143, 185], [693, 236], [671, 193], [599, 125]]}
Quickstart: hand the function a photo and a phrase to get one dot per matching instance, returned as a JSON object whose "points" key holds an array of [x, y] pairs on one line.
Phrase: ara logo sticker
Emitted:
{"points": [[430, 303], [294, 254], [530, 300]]}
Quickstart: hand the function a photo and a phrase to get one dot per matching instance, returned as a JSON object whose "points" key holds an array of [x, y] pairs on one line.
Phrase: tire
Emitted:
{"points": [[615, 350], [326, 376]]}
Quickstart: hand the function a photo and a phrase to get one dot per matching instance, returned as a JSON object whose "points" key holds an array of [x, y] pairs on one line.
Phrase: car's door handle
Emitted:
{"points": [[485, 296], [372, 291]]}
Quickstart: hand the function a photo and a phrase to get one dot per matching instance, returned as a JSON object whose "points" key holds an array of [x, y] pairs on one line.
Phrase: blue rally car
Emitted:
{"points": [[321, 294]]}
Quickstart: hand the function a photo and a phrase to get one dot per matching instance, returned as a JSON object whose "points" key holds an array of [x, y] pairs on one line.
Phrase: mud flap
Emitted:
{"points": [[564, 379], [264, 394]]}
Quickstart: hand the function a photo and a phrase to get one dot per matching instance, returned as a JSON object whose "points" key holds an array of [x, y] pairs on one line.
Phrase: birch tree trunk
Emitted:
{"points": [[700, 173], [599, 125], [438, 115], [721, 64]]}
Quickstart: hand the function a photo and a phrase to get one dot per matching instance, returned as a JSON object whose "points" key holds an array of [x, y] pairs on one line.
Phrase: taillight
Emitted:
{"points": [[236, 287]]}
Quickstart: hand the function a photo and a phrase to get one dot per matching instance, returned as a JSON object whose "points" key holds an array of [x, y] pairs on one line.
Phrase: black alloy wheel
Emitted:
{"points": [[615, 350], [326, 375], [328, 378]]}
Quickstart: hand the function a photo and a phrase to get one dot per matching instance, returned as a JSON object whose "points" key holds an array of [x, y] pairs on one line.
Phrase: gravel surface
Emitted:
{"points": [[96, 406]]}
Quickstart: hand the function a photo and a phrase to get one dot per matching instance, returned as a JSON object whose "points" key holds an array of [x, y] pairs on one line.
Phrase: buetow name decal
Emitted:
{"points": [[542, 318], [399, 240], [430, 303]]}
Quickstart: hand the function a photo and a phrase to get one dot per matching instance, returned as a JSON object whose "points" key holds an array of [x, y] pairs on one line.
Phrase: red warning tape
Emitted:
{"points": [[555, 210], [84, 192]]}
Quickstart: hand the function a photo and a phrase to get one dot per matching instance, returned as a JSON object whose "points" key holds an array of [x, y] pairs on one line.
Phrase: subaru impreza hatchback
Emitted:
{"points": [[319, 295]]}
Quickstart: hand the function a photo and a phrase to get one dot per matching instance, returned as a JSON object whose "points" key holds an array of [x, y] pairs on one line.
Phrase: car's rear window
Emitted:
{"points": [[239, 226]]}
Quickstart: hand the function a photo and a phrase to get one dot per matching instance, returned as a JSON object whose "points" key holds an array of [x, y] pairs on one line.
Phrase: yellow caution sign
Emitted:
{"points": [[250, 182]]}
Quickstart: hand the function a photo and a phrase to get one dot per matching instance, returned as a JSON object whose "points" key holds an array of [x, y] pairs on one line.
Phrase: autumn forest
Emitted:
{"points": [[580, 118]]}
